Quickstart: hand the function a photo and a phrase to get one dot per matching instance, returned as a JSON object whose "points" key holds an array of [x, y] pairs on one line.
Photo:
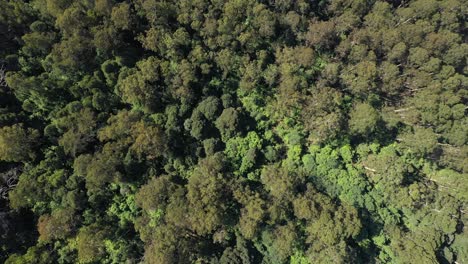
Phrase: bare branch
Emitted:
{"points": [[369, 169], [9, 180], [3, 82], [402, 109]]}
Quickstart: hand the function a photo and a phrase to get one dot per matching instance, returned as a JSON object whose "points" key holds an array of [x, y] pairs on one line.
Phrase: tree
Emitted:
{"points": [[103, 167], [149, 141], [34, 254], [363, 119], [141, 86], [119, 126], [459, 246], [228, 123], [208, 195], [279, 182], [321, 114], [423, 141], [59, 225], [210, 107], [451, 182], [280, 243], [72, 53], [252, 213], [80, 130], [197, 125], [233, 131], [17, 143], [155, 194], [321, 34], [122, 16], [236, 255], [361, 78], [38, 43], [90, 243]]}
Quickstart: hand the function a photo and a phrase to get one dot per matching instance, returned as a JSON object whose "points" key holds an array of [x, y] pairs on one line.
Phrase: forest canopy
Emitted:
{"points": [[233, 131]]}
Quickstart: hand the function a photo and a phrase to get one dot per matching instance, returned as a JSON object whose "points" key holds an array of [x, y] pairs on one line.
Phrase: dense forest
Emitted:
{"points": [[233, 131]]}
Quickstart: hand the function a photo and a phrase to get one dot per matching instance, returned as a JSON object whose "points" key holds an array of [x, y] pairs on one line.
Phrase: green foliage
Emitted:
{"points": [[209, 107], [452, 181], [234, 131], [242, 150], [206, 193], [298, 258], [279, 182], [41, 187], [17, 143], [58, 225], [139, 87], [155, 193], [90, 243], [363, 119], [149, 141], [34, 254], [79, 130], [422, 141], [124, 208], [102, 168], [228, 123]]}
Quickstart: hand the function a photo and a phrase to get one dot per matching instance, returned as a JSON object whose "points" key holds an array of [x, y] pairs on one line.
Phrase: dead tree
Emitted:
{"points": [[8, 181]]}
